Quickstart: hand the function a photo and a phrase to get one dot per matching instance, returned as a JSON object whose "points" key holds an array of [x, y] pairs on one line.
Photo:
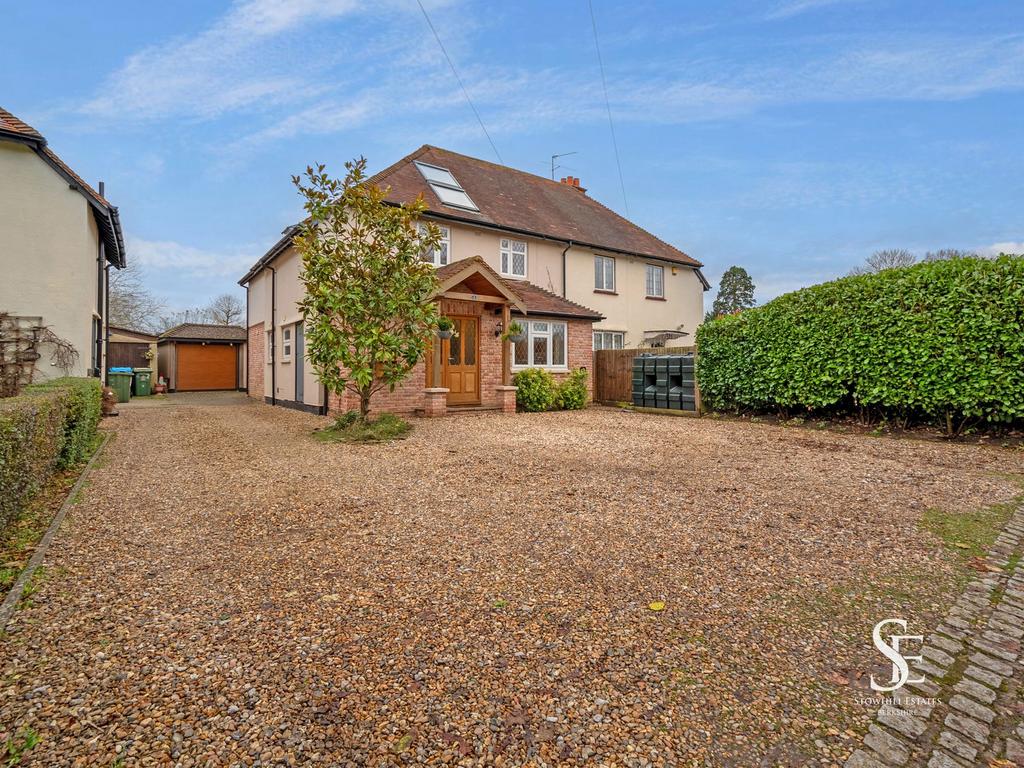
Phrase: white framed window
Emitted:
{"points": [[604, 273], [655, 281], [609, 339], [513, 258], [445, 186], [545, 346], [438, 256], [286, 345], [270, 347]]}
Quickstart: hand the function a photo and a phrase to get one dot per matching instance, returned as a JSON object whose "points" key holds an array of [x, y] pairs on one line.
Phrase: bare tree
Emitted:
{"points": [[889, 258], [131, 303], [192, 315], [226, 309], [949, 253]]}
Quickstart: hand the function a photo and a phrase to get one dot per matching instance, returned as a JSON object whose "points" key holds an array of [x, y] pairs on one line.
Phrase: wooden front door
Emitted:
{"points": [[461, 362]]}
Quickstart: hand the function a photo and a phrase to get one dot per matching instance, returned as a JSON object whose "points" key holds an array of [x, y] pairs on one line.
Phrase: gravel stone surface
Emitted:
{"points": [[230, 591]]}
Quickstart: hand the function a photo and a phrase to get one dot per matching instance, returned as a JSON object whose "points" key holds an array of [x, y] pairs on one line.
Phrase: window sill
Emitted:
{"points": [[285, 362], [514, 277], [655, 298], [605, 292]]}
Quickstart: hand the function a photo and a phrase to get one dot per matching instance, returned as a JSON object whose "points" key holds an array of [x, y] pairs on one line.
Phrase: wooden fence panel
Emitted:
{"points": [[613, 371], [129, 354]]}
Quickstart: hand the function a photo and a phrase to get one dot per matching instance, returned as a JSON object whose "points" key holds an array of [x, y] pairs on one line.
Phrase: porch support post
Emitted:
{"points": [[435, 376], [506, 362]]}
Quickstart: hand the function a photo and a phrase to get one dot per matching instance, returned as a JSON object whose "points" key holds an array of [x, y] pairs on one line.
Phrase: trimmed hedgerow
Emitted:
{"points": [[50, 426], [938, 342], [85, 401], [31, 440]]}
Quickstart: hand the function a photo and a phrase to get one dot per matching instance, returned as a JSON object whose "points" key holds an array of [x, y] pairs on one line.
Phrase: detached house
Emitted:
{"points": [[515, 247], [58, 236]]}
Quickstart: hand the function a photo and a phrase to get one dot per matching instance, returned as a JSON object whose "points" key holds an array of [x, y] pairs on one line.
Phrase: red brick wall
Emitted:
{"points": [[256, 363], [408, 396]]}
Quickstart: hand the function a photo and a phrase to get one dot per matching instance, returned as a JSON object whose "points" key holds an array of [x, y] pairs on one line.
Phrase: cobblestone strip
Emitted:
{"points": [[967, 711]]}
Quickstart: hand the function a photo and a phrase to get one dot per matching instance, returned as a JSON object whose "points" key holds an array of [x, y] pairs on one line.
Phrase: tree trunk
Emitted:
{"points": [[364, 403]]}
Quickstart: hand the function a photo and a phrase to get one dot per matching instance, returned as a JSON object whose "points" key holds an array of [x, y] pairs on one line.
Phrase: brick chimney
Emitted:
{"points": [[573, 181]]}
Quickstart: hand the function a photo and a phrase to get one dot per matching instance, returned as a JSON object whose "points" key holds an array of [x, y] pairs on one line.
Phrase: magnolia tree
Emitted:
{"points": [[367, 310]]}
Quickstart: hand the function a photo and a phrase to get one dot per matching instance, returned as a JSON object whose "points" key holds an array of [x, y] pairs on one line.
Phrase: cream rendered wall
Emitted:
{"points": [[49, 244], [289, 293], [628, 309], [543, 258]]}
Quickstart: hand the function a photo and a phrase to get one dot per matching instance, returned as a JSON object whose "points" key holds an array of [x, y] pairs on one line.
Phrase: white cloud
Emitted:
{"points": [[188, 261], [234, 64], [796, 7], [1009, 246]]}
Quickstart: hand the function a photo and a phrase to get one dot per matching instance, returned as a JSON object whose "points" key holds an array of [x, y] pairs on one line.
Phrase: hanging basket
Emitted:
{"points": [[517, 338], [445, 334]]}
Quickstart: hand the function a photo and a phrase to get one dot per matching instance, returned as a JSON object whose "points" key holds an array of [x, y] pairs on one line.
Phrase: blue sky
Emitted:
{"points": [[792, 137]]}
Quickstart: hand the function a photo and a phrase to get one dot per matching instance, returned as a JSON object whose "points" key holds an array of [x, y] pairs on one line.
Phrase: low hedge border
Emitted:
{"points": [[537, 390], [48, 427]]}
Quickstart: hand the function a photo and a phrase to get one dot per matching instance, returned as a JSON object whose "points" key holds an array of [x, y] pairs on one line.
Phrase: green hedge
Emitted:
{"points": [[939, 341], [83, 416], [50, 426]]}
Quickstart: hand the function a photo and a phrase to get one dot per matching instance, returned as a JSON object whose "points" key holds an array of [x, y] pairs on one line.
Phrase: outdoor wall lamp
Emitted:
{"points": [[499, 329]]}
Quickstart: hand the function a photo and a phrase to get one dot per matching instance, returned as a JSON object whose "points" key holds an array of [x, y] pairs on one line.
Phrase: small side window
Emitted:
{"points": [[286, 345]]}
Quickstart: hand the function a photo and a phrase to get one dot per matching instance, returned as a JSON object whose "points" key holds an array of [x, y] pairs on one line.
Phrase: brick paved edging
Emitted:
{"points": [[14, 595], [963, 714]]}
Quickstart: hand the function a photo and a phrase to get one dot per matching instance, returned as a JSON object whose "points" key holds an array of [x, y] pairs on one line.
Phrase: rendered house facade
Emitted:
{"points": [[518, 247], [58, 237]]}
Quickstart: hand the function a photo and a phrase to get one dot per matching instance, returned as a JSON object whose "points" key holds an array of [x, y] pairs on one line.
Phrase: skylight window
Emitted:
{"points": [[446, 187]]}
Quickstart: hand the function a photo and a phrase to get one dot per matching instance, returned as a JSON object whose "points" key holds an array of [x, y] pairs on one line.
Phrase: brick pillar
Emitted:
{"points": [[507, 398], [435, 402]]}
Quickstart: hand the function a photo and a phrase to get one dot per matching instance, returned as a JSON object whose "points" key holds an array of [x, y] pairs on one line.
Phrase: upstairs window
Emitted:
{"points": [[655, 282], [604, 274], [446, 187], [438, 256], [513, 258]]}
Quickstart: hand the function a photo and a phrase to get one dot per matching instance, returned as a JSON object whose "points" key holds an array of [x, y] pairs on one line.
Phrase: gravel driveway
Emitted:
{"points": [[230, 591]]}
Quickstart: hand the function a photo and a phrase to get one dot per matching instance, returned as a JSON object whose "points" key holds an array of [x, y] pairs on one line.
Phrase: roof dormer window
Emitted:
{"points": [[444, 185]]}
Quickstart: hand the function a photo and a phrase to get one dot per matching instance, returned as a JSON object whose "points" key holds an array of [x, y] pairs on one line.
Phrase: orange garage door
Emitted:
{"points": [[206, 366]]}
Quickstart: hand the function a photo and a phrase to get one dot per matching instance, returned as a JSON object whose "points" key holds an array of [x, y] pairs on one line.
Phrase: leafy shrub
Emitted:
{"points": [[939, 341], [535, 389], [49, 426], [571, 394], [350, 428], [85, 399], [32, 436]]}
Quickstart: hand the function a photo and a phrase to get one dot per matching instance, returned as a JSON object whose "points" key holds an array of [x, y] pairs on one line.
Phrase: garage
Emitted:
{"points": [[197, 357]]}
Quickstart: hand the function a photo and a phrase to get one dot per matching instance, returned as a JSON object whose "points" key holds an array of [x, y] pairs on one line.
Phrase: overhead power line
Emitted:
{"points": [[608, 105], [459, 79]]}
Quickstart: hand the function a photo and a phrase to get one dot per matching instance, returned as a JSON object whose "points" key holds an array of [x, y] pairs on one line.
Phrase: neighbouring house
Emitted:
{"points": [[199, 357], [132, 349], [515, 246], [58, 239]]}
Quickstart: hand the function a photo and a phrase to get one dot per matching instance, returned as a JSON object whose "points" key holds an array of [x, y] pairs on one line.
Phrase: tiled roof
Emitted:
{"points": [[524, 202], [11, 124], [536, 300], [205, 332]]}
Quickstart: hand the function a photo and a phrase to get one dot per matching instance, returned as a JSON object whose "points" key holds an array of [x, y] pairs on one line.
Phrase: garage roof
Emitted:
{"points": [[204, 332]]}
